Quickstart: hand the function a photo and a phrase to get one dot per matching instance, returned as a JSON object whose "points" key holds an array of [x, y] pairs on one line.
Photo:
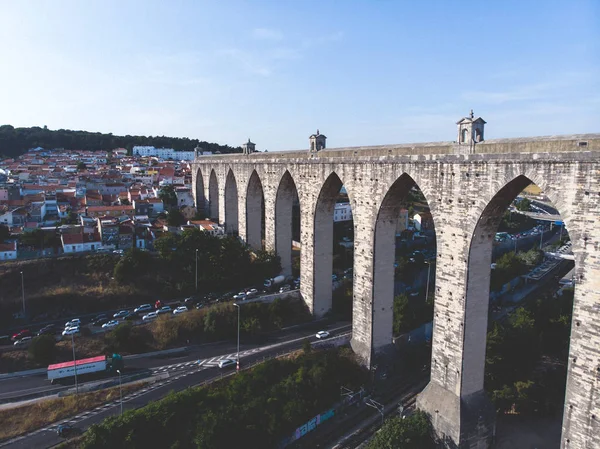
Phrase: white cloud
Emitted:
{"points": [[267, 34]]}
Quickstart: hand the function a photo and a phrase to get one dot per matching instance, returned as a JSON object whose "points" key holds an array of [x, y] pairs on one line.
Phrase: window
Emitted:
{"points": [[465, 133], [73, 248]]}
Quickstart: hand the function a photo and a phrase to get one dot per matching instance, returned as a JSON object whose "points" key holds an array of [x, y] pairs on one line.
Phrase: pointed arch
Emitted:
{"points": [[200, 196], [384, 254], [231, 204], [286, 195], [323, 244], [255, 212], [213, 196], [478, 282]]}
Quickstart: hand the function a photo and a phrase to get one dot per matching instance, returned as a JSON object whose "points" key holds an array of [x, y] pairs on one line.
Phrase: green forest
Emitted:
{"points": [[16, 141]]}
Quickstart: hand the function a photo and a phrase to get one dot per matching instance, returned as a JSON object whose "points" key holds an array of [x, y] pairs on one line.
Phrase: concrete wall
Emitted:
{"points": [[467, 194]]}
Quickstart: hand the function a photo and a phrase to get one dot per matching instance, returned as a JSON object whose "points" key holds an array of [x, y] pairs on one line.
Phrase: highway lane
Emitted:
{"points": [[20, 386], [46, 437]]}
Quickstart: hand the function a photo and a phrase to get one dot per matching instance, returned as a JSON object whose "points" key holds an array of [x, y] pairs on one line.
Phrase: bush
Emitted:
{"points": [[413, 432], [262, 405], [42, 349], [126, 338]]}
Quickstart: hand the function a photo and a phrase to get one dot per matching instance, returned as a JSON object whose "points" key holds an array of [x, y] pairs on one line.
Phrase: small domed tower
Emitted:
{"points": [[470, 130], [317, 142], [248, 147]]}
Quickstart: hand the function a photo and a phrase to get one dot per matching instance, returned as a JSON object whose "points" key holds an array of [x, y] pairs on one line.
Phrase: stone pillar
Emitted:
{"points": [[461, 413], [581, 416]]}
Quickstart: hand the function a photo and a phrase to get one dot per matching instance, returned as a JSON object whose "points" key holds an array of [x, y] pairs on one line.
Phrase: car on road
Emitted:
{"points": [[67, 430], [180, 309], [322, 334], [119, 251], [285, 288], [143, 308], [73, 322], [22, 341], [100, 321], [21, 334], [150, 316], [110, 324], [100, 317], [47, 330], [164, 309], [71, 331], [121, 314], [226, 363]]}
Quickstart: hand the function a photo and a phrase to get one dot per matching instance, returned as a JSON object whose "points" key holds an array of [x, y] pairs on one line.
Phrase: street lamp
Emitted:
{"points": [[23, 292], [75, 367], [238, 339], [428, 272], [196, 270], [120, 391]]}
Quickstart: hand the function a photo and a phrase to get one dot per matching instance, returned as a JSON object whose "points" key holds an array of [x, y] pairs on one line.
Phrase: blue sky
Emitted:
{"points": [[364, 73]]}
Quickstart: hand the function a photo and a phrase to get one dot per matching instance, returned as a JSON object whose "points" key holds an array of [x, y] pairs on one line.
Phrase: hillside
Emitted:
{"points": [[16, 141]]}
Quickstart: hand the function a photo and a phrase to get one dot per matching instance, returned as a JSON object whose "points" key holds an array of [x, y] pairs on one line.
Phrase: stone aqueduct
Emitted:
{"points": [[468, 184]]}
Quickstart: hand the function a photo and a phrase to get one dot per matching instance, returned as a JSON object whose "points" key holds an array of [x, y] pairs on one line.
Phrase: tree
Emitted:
{"points": [[524, 205], [81, 166], [175, 218], [42, 349], [4, 233], [168, 196], [413, 432], [133, 265]]}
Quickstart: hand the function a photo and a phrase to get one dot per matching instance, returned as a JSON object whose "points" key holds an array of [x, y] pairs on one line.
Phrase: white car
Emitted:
{"points": [[110, 324], [70, 331], [179, 310], [322, 334], [226, 362], [22, 341], [143, 308], [240, 295], [150, 316], [73, 323]]}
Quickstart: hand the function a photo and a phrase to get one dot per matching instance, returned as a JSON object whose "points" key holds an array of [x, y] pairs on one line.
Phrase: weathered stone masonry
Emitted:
{"points": [[467, 189]]}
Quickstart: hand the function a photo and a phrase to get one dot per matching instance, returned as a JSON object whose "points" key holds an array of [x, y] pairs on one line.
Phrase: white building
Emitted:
{"points": [[342, 212], [8, 251], [164, 153], [76, 243]]}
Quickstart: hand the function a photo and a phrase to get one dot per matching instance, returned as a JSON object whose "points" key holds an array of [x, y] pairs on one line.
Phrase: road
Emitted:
{"points": [[188, 376], [16, 387]]}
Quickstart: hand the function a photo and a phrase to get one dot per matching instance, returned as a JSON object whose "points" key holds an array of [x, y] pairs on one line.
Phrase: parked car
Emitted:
{"points": [[150, 316], [164, 309], [73, 322], [322, 334], [119, 251], [285, 288], [121, 314], [21, 334], [22, 341], [100, 321], [110, 324], [99, 317], [71, 331], [143, 308], [130, 316], [179, 310], [199, 305], [47, 330], [226, 363], [240, 296]]}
